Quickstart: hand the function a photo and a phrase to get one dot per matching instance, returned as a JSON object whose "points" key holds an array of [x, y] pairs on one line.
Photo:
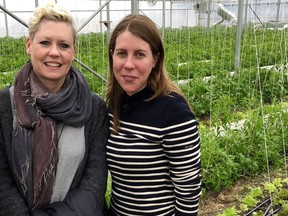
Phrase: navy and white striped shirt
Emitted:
{"points": [[155, 159]]}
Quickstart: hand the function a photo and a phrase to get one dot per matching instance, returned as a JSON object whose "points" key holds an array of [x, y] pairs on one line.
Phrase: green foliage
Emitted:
{"points": [[242, 114], [6, 79], [284, 211], [249, 200], [256, 192], [12, 54], [229, 212], [276, 191]]}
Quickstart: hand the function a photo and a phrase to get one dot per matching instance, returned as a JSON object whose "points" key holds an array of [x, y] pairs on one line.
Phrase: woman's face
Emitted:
{"points": [[132, 62], [52, 52]]}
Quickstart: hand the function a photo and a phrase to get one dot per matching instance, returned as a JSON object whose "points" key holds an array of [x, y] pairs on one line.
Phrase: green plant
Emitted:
{"points": [[229, 212], [256, 199], [204, 60]]}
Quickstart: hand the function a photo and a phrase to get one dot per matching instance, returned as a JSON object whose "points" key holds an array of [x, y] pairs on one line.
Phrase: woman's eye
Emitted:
{"points": [[45, 43], [140, 55], [121, 54], [64, 45]]}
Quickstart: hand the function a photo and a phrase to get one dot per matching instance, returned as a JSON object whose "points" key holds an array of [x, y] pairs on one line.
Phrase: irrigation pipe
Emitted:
{"points": [[258, 206]]}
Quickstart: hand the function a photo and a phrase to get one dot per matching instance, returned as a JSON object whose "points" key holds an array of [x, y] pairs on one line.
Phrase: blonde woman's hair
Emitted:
{"points": [[52, 12]]}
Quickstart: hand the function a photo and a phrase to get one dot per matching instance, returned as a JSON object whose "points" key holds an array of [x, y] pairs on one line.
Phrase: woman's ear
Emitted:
{"points": [[156, 58], [27, 45]]}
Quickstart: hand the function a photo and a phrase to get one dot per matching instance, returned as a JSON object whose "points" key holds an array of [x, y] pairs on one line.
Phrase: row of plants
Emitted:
{"points": [[202, 62], [268, 198]]}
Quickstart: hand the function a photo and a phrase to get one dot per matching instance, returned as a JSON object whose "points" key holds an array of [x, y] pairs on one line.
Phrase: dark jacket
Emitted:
{"points": [[89, 184], [78, 202]]}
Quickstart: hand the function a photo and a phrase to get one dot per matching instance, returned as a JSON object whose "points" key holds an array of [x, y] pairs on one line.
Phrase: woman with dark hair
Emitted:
{"points": [[153, 150]]}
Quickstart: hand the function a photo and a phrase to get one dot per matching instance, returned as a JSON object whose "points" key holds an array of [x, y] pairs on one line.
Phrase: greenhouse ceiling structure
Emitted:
{"points": [[96, 15]]}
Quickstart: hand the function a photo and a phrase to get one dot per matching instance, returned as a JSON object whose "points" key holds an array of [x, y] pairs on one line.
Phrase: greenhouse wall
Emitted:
{"points": [[177, 13]]}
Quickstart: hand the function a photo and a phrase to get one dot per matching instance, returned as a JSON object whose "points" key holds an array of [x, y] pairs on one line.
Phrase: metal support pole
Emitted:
{"points": [[163, 18], [278, 11], [109, 22], [246, 14], [134, 7], [14, 16], [209, 14], [90, 70], [171, 11], [93, 15], [101, 19], [238, 36], [6, 20]]}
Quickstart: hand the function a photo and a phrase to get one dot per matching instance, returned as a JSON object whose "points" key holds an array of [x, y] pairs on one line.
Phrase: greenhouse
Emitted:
{"points": [[230, 59]]}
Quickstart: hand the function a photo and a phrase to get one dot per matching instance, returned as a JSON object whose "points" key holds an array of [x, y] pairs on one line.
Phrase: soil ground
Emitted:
{"points": [[213, 203]]}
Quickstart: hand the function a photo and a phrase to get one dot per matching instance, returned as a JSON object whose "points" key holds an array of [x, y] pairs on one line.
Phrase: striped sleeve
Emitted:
{"points": [[182, 147]]}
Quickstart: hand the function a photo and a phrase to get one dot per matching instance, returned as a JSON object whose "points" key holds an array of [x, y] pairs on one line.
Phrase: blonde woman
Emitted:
{"points": [[53, 130]]}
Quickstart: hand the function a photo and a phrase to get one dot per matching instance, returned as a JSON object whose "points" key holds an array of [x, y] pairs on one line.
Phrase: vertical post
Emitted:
{"points": [[199, 16], [6, 21], [36, 3], [134, 7], [163, 18], [101, 30], [209, 14], [277, 16], [171, 11], [108, 21], [246, 14], [238, 36]]}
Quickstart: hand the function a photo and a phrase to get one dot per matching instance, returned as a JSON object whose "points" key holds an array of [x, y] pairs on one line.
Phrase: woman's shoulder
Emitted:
{"points": [[98, 121], [99, 107], [5, 92], [97, 100], [5, 100], [176, 108], [173, 99]]}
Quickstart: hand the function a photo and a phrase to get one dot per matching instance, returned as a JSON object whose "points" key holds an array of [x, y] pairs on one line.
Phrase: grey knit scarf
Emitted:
{"points": [[34, 142]]}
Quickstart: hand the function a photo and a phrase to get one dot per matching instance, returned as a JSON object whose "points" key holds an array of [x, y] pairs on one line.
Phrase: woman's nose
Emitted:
{"points": [[129, 62], [54, 51]]}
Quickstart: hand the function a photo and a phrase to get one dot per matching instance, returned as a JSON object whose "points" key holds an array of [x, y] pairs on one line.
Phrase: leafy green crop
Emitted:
{"points": [[242, 114]]}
